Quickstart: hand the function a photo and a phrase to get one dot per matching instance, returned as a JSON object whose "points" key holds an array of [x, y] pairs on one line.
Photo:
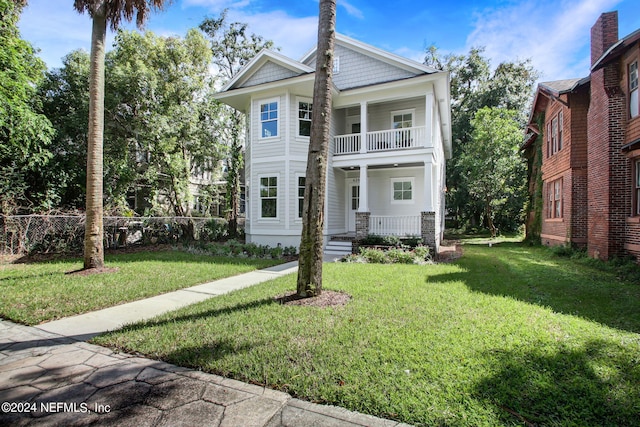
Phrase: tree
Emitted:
{"points": [[25, 133], [164, 112], [102, 12], [494, 170], [474, 86], [312, 240], [232, 48], [65, 99]]}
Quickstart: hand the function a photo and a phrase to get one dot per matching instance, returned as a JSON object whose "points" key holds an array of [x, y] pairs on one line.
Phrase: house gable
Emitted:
{"points": [[359, 64], [269, 72], [267, 66]]}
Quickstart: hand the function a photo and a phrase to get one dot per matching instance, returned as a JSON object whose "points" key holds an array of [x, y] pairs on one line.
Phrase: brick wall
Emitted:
{"points": [[608, 168]]}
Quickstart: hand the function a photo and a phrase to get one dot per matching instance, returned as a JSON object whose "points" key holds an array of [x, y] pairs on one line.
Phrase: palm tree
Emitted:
{"points": [[311, 243], [102, 12]]}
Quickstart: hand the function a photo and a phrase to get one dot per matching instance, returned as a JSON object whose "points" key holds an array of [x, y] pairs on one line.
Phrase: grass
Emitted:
{"points": [[38, 292], [507, 335]]}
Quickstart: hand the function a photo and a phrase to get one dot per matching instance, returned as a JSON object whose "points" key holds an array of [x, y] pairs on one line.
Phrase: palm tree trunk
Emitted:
{"points": [[311, 243], [94, 230]]}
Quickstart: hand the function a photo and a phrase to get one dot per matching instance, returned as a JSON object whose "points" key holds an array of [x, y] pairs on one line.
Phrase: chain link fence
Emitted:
{"points": [[27, 234]]}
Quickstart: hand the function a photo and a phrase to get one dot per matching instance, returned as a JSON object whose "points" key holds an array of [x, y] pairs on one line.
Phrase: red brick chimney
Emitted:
{"points": [[604, 34], [607, 167]]}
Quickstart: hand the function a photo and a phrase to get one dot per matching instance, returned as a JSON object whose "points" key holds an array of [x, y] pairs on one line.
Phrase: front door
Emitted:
{"points": [[353, 203]]}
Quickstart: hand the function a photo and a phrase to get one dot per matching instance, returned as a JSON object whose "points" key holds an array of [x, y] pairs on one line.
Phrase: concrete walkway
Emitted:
{"points": [[50, 377], [85, 326]]}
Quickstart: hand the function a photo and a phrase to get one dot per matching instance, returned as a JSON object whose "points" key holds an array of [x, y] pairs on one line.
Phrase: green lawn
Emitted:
{"points": [[507, 335], [39, 292]]}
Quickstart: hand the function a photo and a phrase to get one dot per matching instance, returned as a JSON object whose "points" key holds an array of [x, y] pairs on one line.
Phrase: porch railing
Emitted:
{"points": [[394, 225], [348, 144], [392, 139]]}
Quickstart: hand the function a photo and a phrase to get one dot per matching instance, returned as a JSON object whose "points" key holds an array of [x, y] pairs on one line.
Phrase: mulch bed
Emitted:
{"points": [[325, 299], [450, 250]]}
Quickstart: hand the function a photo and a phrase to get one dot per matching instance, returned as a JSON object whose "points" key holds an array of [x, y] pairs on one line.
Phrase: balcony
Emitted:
{"points": [[385, 140]]}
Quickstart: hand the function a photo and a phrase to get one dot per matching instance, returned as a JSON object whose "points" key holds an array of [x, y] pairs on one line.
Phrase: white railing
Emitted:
{"points": [[392, 139], [394, 225], [347, 144]]}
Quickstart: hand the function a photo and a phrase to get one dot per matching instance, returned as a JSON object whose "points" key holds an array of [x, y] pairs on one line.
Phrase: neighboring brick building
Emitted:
{"points": [[584, 142]]}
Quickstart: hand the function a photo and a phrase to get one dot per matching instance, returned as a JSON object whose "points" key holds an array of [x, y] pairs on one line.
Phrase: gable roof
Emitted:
{"points": [[369, 50], [258, 61], [549, 91]]}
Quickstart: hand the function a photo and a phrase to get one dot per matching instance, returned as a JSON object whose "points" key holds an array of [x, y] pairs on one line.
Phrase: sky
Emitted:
{"points": [[554, 34]]}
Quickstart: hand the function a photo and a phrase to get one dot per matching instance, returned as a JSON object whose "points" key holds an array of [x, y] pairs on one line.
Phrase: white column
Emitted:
{"points": [[364, 190], [428, 121], [363, 127], [429, 187]]}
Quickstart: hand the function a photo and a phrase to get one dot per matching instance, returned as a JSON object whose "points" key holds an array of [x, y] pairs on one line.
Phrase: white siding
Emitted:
{"points": [[380, 114], [357, 69], [380, 193], [269, 72]]}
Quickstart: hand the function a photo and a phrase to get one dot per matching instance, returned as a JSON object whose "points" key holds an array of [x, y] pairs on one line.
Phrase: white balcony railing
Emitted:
{"points": [[394, 225], [393, 139], [348, 144]]}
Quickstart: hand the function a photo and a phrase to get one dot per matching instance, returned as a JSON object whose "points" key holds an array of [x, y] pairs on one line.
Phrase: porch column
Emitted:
{"points": [[364, 190], [363, 127], [428, 121], [429, 187]]}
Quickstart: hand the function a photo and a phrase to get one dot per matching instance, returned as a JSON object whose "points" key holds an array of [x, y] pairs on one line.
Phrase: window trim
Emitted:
{"points": [[298, 118], [299, 209], [261, 121], [410, 180], [261, 198], [636, 186], [555, 199], [555, 132], [411, 111], [634, 90]]}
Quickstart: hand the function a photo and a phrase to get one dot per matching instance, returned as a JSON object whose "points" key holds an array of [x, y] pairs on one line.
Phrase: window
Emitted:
{"points": [[269, 119], [301, 185], [304, 118], [402, 190], [402, 119], [336, 65], [269, 196], [554, 197], [634, 103], [554, 134], [636, 190]]}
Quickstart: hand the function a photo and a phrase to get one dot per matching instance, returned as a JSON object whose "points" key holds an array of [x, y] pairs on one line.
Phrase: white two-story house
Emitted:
{"points": [[390, 137]]}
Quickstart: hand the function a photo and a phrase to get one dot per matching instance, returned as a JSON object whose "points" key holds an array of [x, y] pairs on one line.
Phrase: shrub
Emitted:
{"points": [[214, 230], [400, 256], [423, 253], [376, 256]]}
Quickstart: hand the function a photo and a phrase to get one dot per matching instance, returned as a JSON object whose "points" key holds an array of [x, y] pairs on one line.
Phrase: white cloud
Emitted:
{"points": [[555, 35], [217, 5], [351, 9]]}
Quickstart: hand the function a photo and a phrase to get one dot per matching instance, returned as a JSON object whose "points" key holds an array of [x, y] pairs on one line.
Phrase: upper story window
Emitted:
{"points": [[304, 118], [634, 103], [269, 119], [554, 134], [336, 65], [402, 119]]}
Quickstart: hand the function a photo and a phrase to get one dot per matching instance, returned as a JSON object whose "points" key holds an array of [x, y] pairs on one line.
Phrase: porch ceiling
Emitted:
{"points": [[385, 166]]}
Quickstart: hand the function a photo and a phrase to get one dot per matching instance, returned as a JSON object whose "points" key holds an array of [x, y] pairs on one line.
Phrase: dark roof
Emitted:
{"points": [[559, 87], [616, 50]]}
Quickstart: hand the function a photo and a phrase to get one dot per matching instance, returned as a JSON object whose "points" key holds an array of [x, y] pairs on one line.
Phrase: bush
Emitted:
{"points": [[214, 230], [376, 256], [423, 253], [400, 256]]}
